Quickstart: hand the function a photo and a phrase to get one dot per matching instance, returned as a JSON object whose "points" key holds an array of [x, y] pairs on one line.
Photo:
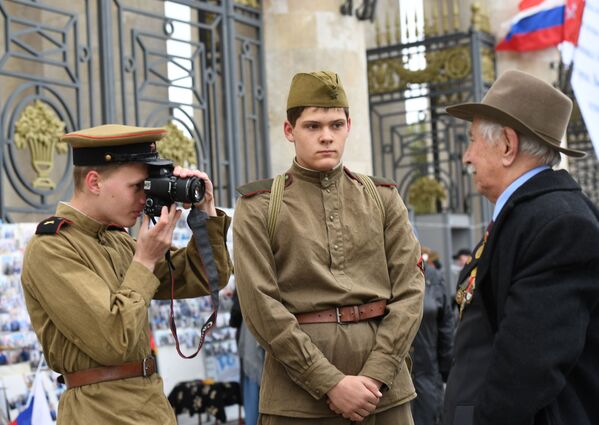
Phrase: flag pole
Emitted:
{"points": [[36, 377], [7, 403]]}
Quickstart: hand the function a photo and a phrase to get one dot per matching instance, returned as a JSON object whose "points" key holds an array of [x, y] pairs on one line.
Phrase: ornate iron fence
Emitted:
{"points": [[69, 65], [414, 141], [584, 170]]}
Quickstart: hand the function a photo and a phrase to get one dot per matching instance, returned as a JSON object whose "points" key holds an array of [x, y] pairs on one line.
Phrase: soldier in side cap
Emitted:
{"points": [[88, 283], [328, 275], [527, 345]]}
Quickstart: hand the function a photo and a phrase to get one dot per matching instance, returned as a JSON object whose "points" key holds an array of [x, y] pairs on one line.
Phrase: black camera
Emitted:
{"points": [[162, 188]]}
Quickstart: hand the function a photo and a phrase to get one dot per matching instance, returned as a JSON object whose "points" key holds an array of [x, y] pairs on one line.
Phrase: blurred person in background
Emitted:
{"points": [[432, 347]]}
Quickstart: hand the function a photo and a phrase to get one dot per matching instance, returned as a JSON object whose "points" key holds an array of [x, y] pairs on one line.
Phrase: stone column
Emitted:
{"points": [[311, 35]]}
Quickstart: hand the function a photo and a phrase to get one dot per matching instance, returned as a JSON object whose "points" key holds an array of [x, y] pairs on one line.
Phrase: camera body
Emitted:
{"points": [[162, 188]]}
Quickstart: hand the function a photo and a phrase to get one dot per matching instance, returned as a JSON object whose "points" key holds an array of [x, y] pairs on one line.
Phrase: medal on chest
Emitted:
{"points": [[465, 292]]}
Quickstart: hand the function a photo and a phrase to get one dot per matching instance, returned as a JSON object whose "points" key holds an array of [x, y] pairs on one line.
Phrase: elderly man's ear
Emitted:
{"points": [[510, 146]]}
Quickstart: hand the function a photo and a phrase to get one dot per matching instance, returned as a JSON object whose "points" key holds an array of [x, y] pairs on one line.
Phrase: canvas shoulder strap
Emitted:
{"points": [[274, 205], [373, 192]]}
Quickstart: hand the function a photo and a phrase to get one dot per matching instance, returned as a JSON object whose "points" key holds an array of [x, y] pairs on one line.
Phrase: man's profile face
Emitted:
{"points": [[121, 197], [483, 158], [319, 137], [462, 260]]}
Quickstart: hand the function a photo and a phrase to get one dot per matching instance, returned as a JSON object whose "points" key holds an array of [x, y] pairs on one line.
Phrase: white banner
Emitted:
{"points": [[585, 74]]}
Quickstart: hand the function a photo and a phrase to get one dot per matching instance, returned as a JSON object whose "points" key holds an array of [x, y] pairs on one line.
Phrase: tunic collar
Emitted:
{"points": [[80, 220], [321, 177]]}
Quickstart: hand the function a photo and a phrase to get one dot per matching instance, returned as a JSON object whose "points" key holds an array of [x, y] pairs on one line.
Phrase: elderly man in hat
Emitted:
{"points": [[88, 283], [527, 343], [328, 275]]}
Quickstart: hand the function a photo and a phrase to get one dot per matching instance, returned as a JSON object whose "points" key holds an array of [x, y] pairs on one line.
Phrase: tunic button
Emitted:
{"points": [[335, 246], [326, 178], [328, 190], [332, 218]]}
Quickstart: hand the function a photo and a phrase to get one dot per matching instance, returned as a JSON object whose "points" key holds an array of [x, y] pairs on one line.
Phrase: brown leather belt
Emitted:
{"points": [[145, 368], [346, 314]]}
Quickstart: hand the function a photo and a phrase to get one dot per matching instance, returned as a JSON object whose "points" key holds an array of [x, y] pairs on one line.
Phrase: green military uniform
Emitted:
{"points": [[331, 248], [88, 303]]}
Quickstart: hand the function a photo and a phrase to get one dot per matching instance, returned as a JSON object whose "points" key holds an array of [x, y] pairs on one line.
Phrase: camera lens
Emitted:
{"points": [[197, 193], [189, 190], [196, 190]]}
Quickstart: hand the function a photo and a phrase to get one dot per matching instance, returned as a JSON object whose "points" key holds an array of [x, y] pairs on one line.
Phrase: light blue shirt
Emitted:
{"points": [[507, 193]]}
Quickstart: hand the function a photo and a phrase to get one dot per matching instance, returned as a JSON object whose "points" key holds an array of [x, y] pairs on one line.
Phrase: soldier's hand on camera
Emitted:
{"points": [[152, 242], [207, 203]]}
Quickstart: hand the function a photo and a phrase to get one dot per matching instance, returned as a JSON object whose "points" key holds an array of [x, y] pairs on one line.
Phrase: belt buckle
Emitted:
{"points": [[146, 365], [355, 319], [338, 315]]}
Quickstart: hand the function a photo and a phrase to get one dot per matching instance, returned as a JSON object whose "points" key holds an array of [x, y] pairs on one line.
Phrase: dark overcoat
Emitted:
{"points": [[527, 347]]}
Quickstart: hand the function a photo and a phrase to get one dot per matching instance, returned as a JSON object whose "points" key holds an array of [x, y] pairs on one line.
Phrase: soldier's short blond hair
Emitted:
{"points": [[80, 172]]}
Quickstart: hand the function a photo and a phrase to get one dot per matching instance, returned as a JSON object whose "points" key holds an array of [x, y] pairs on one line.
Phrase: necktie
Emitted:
{"points": [[466, 289]]}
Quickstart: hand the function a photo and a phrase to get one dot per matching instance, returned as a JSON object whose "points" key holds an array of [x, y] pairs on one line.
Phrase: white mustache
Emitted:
{"points": [[470, 169]]}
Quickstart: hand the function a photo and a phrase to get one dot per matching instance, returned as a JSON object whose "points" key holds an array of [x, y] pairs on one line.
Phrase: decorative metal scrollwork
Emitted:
{"points": [[390, 74], [250, 3], [177, 147], [39, 129], [488, 65], [458, 64], [414, 141]]}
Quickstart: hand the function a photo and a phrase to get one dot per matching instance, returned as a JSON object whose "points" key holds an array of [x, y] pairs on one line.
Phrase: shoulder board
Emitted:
{"points": [[378, 181], [381, 181], [51, 225], [116, 227], [259, 186]]}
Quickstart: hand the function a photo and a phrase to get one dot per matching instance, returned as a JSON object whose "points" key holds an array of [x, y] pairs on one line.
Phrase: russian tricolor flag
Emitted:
{"points": [[543, 23], [38, 409]]}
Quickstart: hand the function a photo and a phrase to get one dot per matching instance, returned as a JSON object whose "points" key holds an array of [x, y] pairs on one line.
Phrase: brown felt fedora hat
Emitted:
{"points": [[526, 104]]}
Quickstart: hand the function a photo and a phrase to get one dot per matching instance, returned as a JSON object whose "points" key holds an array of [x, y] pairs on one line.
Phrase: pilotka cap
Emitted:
{"points": [[113, 144], [322, 89]]}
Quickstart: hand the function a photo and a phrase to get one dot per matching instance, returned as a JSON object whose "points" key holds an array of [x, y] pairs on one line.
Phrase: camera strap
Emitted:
{"points": [[197, 223]]}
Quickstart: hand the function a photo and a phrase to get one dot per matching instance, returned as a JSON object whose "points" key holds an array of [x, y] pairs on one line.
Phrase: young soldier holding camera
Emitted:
{"points": [[330, 284], [88, 283]]}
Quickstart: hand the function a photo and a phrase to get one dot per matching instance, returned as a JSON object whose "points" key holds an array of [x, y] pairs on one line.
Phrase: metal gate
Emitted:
{"points": [[65, 65], [414, 141], [584, 170], [410, 84]]}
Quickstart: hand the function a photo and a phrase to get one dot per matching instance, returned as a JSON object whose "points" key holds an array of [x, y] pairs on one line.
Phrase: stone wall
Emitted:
{"points": [[311, 35]]}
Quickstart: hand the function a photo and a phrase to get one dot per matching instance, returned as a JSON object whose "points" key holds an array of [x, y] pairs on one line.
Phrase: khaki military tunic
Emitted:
{"points": [[330, 249], [88, 303]]}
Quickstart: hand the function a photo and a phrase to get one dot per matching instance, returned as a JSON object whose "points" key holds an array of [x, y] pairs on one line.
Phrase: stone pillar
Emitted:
{"points": [[311, 35]]}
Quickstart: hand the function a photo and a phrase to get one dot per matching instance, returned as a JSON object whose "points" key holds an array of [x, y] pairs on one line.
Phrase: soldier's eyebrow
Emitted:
{"points": [[138, 182], [311, 122]]}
